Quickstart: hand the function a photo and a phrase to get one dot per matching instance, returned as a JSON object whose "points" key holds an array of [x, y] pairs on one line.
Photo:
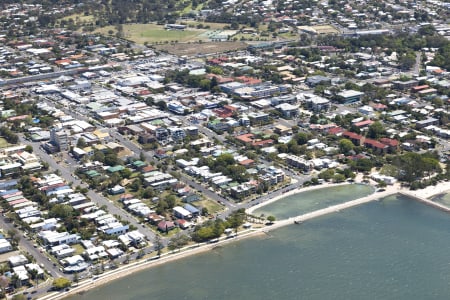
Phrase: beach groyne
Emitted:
{"points": [[426, 201], [331, 209]]}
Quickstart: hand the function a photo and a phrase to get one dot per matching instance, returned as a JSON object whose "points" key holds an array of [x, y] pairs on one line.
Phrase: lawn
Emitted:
{"points": [[389, 170], [212, 206], [151, 33], [78, 249], [80, 18], [3, 143]]}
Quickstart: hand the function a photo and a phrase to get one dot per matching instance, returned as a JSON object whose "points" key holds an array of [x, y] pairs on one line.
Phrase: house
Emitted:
{"points": [[95, 253], [155, 218], [62, 251], [349, 96], [114, 253], [354, 137], [376, 145], [316, 103], [118, 189], [54, 238], [282, 130], [191, 197], [299, 162], [391, 143], [39, 271], [137, 238], [181, 213], [404, 85], [364, 123], [74, 264], [21, 273], [288, 110], [183, 224], [247, 162], [427, 122], [218, 125], [5, 246], [242, 190], [17, 260], [195, 212], [114, 228], [166, 226], [316, 80]]}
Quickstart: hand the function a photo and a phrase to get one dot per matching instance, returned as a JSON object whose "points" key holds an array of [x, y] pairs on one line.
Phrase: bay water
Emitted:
{"points": [[394, 248]]}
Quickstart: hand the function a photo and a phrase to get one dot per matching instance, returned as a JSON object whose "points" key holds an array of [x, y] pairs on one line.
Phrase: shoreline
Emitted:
{"points": [[139, 266], [136, 267]]}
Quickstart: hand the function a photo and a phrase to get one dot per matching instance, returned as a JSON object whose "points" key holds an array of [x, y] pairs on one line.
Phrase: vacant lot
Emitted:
{"points": [[210, 205], [191, 49]]}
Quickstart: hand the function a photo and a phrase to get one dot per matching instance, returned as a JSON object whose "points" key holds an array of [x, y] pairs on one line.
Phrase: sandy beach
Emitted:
{"points": [[132, 268]]}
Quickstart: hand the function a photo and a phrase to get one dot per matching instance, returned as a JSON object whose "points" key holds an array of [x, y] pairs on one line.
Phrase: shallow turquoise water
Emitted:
{"points": [[309, 201], [390, 249], [443, 199]]}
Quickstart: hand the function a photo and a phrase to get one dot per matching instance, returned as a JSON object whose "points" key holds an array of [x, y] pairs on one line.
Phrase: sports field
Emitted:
{"points": [[152, 33]]}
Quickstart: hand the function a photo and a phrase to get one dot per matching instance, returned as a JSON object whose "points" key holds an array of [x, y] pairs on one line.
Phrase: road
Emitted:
{"points": [[149, 155], [27, 246], [416, 68], [66, 172]]}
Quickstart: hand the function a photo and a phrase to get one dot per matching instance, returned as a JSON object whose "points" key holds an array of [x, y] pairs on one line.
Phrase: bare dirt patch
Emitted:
{"points": [[192, 49]]}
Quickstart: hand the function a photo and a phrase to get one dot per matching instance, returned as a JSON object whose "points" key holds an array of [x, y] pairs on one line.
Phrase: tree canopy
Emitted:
{"points": [[61, 283]]}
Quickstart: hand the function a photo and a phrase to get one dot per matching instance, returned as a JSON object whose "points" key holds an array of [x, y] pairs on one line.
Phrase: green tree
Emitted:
{"points": [[407, 61], [98, 156], [326, 174], [362, 165], [345, 146], [61, 283], [29, 148], [427, 30], [339, 178], [178, 241], [76, 278], [271, 219], [81, 143], [62, 211], [4, 283], [376, 130], [158, 245]]}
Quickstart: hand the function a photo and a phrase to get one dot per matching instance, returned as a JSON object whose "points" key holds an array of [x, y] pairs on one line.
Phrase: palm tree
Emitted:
{"points": [[34, 275], [140, 254], [75, 277], [4, 283]]}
